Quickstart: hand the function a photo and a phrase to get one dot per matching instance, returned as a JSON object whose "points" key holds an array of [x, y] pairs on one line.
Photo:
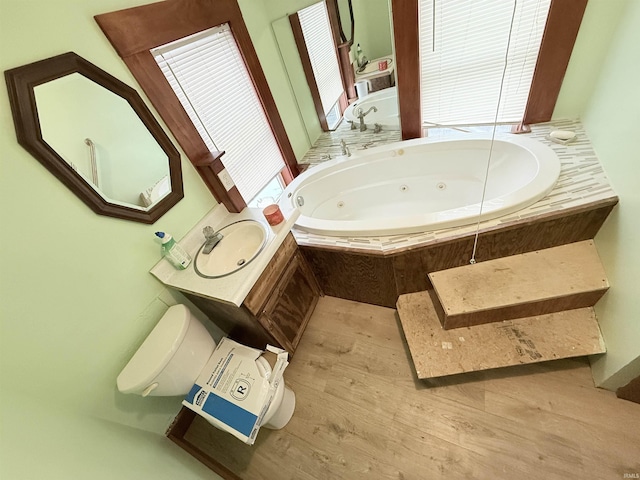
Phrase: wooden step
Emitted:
{"points": [[437, 352], [535, 283]]}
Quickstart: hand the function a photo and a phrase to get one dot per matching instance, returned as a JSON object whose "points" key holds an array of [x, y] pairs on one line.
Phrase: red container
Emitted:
{"points": [[273, 214], [382, 65]]}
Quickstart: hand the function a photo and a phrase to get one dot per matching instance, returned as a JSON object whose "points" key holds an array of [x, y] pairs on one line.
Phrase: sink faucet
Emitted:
{"points": [[362, 114], [344, 148], [212, 239]]}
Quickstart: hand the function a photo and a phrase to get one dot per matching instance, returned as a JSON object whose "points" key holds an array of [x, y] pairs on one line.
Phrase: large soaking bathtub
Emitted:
{"points": [[422, 185], [386, 114]]}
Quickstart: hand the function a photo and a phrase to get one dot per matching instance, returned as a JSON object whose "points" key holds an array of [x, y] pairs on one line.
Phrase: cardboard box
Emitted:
{"points": [[233, 392]]}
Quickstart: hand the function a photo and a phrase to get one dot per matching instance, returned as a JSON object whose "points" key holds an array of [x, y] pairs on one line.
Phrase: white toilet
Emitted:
{"points": [[173, 355]]}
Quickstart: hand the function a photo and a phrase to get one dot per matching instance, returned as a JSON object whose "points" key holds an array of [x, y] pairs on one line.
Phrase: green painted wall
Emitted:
{"points": [[601, 88], [597, 29], [373, 27], [611, 118], [77, 298]]}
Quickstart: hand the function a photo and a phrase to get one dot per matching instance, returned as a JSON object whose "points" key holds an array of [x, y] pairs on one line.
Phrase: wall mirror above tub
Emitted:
{"points": [[371, 28], [96, 135]]}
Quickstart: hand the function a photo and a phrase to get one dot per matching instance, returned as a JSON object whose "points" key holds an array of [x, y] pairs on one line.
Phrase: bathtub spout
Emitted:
{"points": [[367, 112], [362, 114]]}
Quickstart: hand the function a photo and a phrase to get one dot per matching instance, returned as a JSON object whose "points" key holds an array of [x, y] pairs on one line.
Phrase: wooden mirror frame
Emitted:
{"points": [[21, 82]]}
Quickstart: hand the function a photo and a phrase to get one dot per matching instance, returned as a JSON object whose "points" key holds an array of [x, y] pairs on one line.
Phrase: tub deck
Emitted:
{"points": [[377, 270], [379, 278], [582, 185]]}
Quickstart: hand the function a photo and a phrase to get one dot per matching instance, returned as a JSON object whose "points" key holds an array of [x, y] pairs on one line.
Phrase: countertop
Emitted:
{"points": [[232, 288], [372, 70]]}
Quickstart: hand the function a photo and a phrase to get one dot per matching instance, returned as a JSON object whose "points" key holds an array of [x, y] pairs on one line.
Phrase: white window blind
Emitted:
{"points": [[463, 46], [316, 30], [208, 75]]}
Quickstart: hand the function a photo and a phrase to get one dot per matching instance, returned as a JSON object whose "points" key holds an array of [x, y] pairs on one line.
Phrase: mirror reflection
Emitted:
{"points": [[372, 20], [373, 34], [95, 134], [103, 140]]}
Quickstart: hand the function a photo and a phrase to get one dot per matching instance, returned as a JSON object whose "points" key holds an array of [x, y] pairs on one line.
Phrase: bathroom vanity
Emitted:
{"points": [[277, 308], [268, 301], [377, 76]]}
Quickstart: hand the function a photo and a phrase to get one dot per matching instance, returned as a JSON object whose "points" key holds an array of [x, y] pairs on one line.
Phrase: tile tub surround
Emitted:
{"points": [[582, 182], [233, 288], [357, 141]]}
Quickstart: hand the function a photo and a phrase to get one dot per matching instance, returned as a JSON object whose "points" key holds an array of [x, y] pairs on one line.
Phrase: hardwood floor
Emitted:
{"points": [[362, 413]]}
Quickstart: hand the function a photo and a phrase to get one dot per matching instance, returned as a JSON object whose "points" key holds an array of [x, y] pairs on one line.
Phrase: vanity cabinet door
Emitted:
{"points": [[291, 304], [264, 287]]}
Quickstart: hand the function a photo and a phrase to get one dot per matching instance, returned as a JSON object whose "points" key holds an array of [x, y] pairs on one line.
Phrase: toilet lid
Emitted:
{"points": [[156, 351]]}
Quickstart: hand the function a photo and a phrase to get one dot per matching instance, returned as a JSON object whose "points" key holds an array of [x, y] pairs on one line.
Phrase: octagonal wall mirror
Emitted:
{"points": [[97, 136]]}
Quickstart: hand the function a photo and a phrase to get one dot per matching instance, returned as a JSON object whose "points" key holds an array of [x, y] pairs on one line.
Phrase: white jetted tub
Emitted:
{"points": [[422, 185]]}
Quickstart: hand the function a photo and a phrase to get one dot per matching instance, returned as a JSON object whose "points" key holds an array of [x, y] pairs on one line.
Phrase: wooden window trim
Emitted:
{"points": [[557, 44], [406, 39], [135, 31], [296, 29], [342, 54], [558, 40]]}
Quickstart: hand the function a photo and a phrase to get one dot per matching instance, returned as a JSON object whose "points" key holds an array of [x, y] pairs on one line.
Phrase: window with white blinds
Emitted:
{"points": [[476, 63], [316, 30], [208, 75]]}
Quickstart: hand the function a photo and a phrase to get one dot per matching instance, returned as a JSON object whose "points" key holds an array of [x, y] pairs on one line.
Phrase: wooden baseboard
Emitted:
{"points": [[630, 391], [176, 434]]}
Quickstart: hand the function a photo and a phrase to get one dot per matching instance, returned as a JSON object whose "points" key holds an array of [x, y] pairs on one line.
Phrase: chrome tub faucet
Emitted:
{"points": [[362, 114]]}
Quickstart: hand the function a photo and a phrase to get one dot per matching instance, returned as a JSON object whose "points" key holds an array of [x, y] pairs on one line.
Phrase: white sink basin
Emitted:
{"points": [[242, 241], [372, 66]]}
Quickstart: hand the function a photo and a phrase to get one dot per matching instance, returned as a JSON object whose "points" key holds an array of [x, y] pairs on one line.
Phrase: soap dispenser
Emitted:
{"points": [[359, 55], [173, 252]]}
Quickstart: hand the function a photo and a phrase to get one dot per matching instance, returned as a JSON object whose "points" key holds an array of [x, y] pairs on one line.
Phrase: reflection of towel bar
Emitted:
{"points": [[94, 164]]}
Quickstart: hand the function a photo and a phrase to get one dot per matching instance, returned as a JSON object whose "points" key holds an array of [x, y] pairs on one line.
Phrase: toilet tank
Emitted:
{"points": [[170, 359]]}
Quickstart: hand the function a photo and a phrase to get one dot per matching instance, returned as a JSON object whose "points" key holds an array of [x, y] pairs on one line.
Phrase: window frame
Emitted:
{"points": [[558, 39], [135, 31], [208, 75], [296, 29]]}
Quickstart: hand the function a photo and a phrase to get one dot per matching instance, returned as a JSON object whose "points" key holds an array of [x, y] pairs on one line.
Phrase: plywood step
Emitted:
{"points": [[535, 283], [437, 352]]}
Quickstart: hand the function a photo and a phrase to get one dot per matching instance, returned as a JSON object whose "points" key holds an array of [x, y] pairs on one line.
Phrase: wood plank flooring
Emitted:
{"points": [[361, 413]]}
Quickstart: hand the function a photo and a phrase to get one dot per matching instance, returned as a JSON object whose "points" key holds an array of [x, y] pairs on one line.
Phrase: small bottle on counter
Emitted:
{"points": [[173, 252]]}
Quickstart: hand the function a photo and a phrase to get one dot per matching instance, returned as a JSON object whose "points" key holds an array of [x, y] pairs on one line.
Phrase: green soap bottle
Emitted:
{"points": [[173, 252]]}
